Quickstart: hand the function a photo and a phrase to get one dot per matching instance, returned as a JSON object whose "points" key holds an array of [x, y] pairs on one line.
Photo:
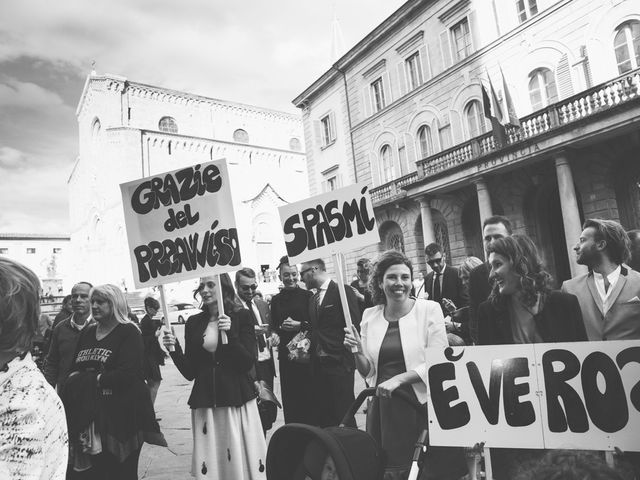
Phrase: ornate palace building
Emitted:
{"points": [[129, 130], [403, 112]]}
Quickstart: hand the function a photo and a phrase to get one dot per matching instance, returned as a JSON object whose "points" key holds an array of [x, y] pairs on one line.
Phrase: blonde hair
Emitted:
{"points": [[19, 306], [112, 294]]}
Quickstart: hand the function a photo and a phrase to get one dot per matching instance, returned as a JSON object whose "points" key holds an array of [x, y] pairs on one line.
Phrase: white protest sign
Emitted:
{"points": [[581, 395], [591, 395], [484, 394], [180, 224], [329, 223]]}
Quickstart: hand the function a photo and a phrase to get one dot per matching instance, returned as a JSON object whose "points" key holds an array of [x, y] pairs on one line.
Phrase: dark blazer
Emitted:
{"points": [[451, 286], [479, 290], [327, 329], [230, 366], [622, 320], [559, 320]]}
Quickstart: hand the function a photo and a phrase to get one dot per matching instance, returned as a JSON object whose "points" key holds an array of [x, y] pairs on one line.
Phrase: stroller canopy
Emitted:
{"points": [[297, 451]]}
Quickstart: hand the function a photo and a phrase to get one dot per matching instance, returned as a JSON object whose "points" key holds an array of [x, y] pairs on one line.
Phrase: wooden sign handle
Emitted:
{"points": [[343, 296]]}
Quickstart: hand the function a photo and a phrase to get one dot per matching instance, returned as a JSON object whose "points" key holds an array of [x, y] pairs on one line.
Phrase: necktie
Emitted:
{"points": [[607, 284], [436, 288], [262, 343]]}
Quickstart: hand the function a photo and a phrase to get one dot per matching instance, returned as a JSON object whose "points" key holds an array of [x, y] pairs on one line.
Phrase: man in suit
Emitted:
{"points": [[493, 228], [332, 365], [246, 286], [609, 294], [443, 281]]}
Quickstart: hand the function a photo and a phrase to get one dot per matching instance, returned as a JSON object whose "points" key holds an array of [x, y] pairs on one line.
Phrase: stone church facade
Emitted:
{"points": [[129, 130]]}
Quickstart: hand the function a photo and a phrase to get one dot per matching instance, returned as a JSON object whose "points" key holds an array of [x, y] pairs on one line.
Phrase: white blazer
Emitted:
{"points": [[422, 328]]}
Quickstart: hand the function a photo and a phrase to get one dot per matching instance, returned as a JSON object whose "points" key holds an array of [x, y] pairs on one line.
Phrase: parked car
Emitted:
{"points": [[180, 312]]}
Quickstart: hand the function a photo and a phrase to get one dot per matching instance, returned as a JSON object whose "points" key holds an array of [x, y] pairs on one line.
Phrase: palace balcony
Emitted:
{"points": [[592, 105]]}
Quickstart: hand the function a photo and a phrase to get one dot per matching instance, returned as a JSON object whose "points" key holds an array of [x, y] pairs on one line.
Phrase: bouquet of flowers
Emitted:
{"points": [[299, 347]]}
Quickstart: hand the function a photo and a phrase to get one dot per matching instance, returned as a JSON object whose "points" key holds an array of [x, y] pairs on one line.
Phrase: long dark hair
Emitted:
{"points": [[523, 255], [383, 262], [230, 303]]}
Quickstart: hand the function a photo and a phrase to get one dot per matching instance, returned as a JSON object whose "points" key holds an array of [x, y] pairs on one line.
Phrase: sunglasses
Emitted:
{"points": [[249, 287], [434, 261]]}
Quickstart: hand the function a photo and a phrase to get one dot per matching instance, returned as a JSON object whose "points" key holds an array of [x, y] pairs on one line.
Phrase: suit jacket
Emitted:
{"points": [[327, 330], [222, 379], [422, 328], [559, 320], [479, 290], [265, 317], [622, 321], [451, 287]]}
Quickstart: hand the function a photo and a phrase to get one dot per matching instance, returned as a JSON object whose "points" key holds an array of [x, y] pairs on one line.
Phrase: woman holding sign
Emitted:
{"points": [[227, 432], [395, 334], [522, 308]]}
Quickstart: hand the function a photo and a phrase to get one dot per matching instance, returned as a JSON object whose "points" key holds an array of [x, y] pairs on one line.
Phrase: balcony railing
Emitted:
{"points": [[586, 104]]}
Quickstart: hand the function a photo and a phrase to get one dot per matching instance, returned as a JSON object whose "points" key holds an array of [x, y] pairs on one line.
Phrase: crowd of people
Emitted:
{"points": [[87, 415]]}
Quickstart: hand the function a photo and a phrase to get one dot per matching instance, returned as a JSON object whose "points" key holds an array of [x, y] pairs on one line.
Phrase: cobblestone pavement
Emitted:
{"points": [[174, 462]]}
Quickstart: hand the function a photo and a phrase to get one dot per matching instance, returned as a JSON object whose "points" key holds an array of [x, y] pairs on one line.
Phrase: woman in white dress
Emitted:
{"points": [[228, 442]]}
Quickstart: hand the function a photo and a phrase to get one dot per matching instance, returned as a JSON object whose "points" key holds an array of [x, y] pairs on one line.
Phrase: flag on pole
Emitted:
{"points": [[510, 117], [493, 112]]}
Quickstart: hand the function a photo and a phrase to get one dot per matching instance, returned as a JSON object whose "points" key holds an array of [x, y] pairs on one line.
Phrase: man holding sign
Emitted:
{"points": [[332, 366]]}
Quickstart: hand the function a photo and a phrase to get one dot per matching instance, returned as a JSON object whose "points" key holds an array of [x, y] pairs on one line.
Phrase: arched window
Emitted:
{"points": [[168, 124], [475, 119], [542, 88], [241, 136], [627, 46], [294, 144], [95, 129], [386, 161], [426, 141]]}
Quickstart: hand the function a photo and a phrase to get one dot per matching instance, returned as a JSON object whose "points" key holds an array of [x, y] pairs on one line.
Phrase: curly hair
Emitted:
{"points": [[383, 262], [230, 302], [524, 258], [19, 306]]}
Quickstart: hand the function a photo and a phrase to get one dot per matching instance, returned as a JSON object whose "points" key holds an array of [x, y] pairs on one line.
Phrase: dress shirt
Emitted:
{"points": [[322, 290], [604, 295], [263, 354], [80, 327]]}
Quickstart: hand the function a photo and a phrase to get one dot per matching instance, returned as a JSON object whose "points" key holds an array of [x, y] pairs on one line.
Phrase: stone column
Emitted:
{"points": [[484, 199], [427, 221], [570, 212]]}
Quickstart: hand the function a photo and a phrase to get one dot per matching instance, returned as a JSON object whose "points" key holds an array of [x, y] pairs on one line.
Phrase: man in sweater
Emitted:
{"points": [[65, 336]]}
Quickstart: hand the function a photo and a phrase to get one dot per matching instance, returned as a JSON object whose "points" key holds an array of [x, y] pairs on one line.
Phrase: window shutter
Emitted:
{"points": [[565, 87], [386, 86], [332, 122], [375, 172], [445, 49], [424, 61], [472, 18], [317, 133], [402, 79]]}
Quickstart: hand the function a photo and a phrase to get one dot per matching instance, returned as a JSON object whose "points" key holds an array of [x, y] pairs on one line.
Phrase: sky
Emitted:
{"points": [[258, 52]]}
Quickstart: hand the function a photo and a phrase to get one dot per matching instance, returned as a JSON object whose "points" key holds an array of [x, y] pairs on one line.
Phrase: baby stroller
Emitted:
{"points": [[300, 452]]}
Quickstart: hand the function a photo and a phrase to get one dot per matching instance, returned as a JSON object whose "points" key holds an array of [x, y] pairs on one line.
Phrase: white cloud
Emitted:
{"points": [[10, 158], [27, 95]]}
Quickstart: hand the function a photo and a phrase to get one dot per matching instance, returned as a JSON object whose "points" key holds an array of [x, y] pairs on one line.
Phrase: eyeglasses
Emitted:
{"points": [[249, 287], [434, 261], [302, 272]]}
